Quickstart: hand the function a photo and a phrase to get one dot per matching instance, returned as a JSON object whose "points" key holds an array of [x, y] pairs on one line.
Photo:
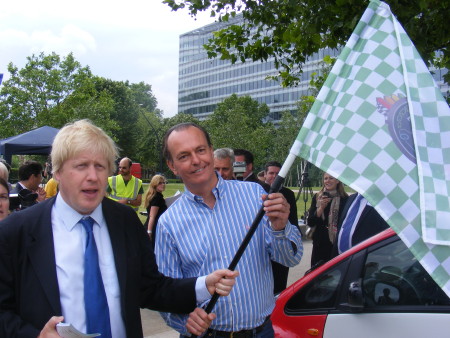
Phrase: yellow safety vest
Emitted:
{"points": [[120, 191]]}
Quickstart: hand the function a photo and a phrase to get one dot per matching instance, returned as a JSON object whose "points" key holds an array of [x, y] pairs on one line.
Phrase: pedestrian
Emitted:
{"points": [[155, 205], [4, 199], [323, 217]]}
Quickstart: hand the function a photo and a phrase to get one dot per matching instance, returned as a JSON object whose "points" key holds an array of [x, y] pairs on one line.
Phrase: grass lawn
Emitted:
{"points": [[172, 188]]}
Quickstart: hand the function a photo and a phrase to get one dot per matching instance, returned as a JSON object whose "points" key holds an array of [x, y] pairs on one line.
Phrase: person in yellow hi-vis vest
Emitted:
{"points": [[125, 188]]}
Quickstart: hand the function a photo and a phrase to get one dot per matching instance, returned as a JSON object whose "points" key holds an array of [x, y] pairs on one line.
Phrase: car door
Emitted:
{"points": [[398, 298], [305, 313]]}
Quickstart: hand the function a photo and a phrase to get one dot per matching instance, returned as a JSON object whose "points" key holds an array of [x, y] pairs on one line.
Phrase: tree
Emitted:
{"points": [[237, 122], [32, 94], [53, 91], [289, 30], [125, 113], [143, 95], [150, 141], [154, 128], [290, 124], [87, 103]]}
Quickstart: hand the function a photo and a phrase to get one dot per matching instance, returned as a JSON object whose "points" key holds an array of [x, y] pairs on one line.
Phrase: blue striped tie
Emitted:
{"points": [[346, 228], [95, 302]]}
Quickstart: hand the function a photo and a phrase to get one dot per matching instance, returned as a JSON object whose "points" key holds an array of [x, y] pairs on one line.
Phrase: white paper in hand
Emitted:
{"points": [[66, 330]]}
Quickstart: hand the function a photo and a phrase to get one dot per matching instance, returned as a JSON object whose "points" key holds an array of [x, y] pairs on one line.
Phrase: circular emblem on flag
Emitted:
{"points": [[395, 108]]}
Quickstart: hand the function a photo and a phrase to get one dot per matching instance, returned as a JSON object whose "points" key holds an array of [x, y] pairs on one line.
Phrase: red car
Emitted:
{"points": [[376, 289]]}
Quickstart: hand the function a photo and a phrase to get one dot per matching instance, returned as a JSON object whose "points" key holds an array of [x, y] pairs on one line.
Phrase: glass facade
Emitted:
{"points": [[203, 82]]}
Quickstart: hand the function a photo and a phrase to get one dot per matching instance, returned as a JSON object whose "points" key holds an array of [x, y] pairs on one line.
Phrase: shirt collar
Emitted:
{"points": [[218, 191], [72, 217]]}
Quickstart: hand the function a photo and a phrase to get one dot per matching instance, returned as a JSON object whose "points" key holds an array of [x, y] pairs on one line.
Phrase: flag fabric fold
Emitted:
{"points": [[381, 126]]}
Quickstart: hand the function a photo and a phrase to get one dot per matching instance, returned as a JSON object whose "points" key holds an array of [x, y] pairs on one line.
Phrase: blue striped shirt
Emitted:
{"points": [[194, 240]]}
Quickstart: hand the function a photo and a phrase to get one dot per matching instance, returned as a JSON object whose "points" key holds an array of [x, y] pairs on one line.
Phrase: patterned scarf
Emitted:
{"points": [[333, 216]]}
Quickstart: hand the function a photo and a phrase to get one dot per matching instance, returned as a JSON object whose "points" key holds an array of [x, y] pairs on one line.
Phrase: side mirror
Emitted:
{"points": [[355, 300]]}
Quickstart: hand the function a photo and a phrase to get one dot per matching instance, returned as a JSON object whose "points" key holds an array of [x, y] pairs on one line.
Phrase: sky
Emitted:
{"points": [[134, 40]]}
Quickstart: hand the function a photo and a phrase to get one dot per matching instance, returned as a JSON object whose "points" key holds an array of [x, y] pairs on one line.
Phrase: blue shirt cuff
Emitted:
{"points": [[201, 291], [281, 233]]}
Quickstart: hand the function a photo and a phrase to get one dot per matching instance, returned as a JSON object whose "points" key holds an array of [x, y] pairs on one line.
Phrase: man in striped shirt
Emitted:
{"points": [[203, 229]]}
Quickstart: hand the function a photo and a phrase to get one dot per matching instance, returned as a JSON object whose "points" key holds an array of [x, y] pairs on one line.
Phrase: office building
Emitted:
{"points": [[203, 82]]}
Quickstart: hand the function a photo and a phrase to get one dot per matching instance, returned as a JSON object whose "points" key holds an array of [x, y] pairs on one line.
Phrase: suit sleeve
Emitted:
{"points": [[159, 292], [11, 323], [141, 285]]}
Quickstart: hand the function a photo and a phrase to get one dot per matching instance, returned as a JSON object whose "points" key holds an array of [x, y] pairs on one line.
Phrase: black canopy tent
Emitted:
{"points": [[35, 142]]}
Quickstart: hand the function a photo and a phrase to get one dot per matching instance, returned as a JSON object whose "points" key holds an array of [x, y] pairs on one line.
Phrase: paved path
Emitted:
{"points": [[155, 327]]}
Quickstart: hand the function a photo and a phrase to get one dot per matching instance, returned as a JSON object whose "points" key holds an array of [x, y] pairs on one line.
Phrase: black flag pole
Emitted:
{"points": [[275, 187]]}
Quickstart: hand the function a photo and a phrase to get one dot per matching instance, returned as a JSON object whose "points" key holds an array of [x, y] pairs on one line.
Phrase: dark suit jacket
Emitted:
{"points": [[29, 292], [252, 178], [17, 188], [289, 195], [369, 224], [281, 272]]}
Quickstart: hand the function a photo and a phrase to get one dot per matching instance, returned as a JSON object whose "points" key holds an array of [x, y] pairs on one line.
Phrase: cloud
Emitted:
{"points": [[70, 39], [135, 40]]}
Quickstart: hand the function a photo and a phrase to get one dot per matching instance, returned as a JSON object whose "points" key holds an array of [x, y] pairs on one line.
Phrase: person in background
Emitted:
{"points": [[323, 216], [30, 178], [125, 188], [243, 155], [358, 221], [51, 188], [155, 204], [280, 272], [223, 163], [4, 173], [47, 174], [4, 199], [261, 176], [85, 259]]}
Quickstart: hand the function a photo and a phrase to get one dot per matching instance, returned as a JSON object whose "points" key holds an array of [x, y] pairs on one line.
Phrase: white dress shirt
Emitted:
{"points": [[69, 239]]}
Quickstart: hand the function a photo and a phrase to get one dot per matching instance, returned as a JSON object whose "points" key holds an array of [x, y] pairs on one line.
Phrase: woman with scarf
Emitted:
{"points": [[323, 216]]}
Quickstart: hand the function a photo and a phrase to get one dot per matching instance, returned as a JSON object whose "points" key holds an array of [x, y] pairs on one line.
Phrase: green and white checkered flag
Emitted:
{"points": [[381, 126]]}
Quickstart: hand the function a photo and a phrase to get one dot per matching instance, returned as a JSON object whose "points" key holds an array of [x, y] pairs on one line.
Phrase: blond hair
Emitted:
{"points": [[80, 136], [4, 172], [151, 192]]}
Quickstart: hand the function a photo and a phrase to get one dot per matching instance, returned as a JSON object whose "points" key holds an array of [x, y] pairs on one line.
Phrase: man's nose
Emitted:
{"points": [[195, 158], [92, 173]]}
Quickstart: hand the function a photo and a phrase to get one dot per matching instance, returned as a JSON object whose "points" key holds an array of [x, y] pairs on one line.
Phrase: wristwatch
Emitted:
{"points": [[149, 231]]}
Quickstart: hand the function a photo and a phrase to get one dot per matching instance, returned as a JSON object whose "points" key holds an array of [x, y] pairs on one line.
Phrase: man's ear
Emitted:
{"points": [[171, 167], [56, 176]]}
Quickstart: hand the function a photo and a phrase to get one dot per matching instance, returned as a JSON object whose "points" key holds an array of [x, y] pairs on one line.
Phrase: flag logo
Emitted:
{"points": [[396, 111]]}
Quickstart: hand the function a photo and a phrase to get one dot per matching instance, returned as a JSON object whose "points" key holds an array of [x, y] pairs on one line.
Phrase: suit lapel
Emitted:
{"points": [[117, 235], [364, 214], [42, 255], [347, 205]]}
